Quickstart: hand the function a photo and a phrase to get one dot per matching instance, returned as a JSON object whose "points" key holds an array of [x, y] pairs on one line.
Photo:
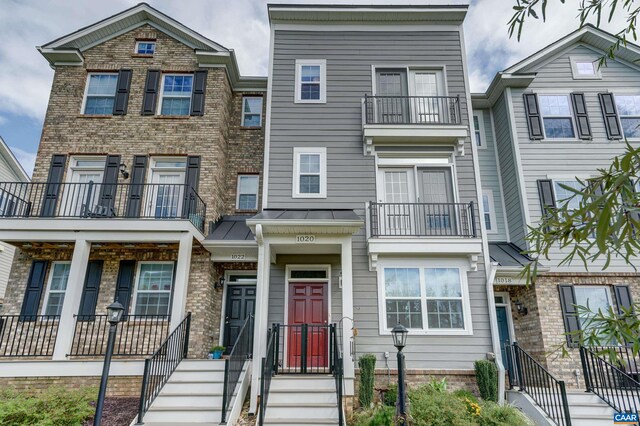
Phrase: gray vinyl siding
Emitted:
{"points": [[548, 159], [489, 175], [6, 255], [337, 125], [509, 172]]}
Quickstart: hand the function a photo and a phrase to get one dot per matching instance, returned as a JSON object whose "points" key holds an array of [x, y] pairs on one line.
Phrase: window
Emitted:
{"points": [[100, 94], [478, 128], [252, 111], [489, 211], [424, 297], [584, 68], [56, 287], [556, 116], [153, 288], [310, 81], [247, 198], [594, 298], [145, 47], [310, 173], [563, 194], [176, 94], [629, 112]]}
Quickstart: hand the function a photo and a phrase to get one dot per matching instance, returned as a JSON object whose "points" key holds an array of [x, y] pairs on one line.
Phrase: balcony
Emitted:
{"points": [[102, 201], [413, 119]]}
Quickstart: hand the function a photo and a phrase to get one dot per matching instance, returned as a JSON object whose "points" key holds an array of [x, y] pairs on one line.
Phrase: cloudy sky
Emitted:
{"points": [[25, 77]]}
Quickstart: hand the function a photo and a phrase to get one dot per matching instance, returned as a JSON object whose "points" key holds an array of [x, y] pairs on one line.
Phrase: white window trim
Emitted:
{"points": [[571, 116], [238, 191], [145, 42], [574, 68], [169, 74], [86, 91], [620, 116], [323, 81], [49, 281], [483, 135], [134, 295], [421, 264], [73, 165], [492, 211], [297, 151], [243, 111]]}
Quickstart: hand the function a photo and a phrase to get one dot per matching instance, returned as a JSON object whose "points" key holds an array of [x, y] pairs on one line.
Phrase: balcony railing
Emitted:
{"points": [[412, 109], [422, 220], [136, 335], [97, 200], [28, 335]]}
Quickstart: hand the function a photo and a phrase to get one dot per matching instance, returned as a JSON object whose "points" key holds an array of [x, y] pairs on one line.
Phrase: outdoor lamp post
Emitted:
{"points": [[114, 315], [399, 333]]}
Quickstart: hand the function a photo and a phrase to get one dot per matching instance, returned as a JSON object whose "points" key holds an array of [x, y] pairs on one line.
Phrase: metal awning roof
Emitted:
{"points": [[307, 214], [508, 255], [231, 228]]}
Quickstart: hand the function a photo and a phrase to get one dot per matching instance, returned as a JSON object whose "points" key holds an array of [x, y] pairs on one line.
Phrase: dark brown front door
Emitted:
{"points": [[308, 325]]}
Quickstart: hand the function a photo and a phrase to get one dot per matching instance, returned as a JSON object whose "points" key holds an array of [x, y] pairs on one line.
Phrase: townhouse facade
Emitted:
{"points": [[543, 122]]}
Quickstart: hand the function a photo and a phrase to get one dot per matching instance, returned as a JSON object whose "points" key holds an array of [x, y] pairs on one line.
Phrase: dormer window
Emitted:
{"points": [[145, 47]]}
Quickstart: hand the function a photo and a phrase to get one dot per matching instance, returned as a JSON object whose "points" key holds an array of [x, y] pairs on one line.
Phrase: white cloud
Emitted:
{"points": [[26, 159]]}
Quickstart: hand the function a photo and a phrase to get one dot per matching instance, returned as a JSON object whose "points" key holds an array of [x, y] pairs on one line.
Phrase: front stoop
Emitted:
{"points": [[587, 409], [308, 400]]}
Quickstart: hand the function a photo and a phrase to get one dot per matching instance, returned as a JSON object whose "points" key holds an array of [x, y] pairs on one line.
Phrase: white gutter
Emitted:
{"points": [[495, 336]]}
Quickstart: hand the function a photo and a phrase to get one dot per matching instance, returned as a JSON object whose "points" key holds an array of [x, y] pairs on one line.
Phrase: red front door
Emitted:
{"points": [[308, 305]]}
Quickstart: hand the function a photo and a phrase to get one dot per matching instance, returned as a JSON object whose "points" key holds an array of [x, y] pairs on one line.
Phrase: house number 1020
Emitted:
{"points": [[305, 239]]}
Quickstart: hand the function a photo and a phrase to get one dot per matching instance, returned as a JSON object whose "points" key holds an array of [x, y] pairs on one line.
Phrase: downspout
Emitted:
{"points": [[495, 336]]}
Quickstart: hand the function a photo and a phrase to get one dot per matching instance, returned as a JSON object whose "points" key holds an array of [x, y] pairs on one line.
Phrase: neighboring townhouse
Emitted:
{"points": [[10, 171], [152, 146], [544, 121], [370, 212]]}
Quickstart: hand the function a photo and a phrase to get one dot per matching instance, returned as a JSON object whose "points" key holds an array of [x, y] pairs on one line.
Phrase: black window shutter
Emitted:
{"points": [[90, 291], [610, 116], [198, 91], [582, 118], [191, 180], [122, 92], [124, 283], [109, 187], [534, 121], [151, 92], [136, 189], [569, 313], [545, 191], [33, 293], [56, 172], [623, 297]]}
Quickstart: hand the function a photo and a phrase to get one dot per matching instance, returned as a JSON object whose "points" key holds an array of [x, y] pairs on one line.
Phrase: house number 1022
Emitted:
{"points": [[305, 239]]}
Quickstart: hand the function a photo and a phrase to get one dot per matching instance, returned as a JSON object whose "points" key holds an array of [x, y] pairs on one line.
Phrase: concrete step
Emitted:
{"points": [[591, 420], [305, 422], [201, 365], [304, 382], [588, 410], [183, 415], [187, 386], [298, 412], [574, 397], [302, 397], [202, 400], [198, 376]]}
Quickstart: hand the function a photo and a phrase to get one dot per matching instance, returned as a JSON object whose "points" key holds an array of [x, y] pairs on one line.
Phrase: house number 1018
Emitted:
{"points": [[305, 239]]}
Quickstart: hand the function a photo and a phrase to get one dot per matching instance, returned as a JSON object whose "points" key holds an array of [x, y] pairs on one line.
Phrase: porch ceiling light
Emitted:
{"points": [[399, 333], [114, 312]]}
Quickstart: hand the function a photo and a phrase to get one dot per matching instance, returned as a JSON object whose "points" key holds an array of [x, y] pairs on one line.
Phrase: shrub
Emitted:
{"points": [[434, 408], [367, 364], [438, 385], [465, 394], [487, 379], [495, 415], [390, 396], [54, 407], [380, 415]]}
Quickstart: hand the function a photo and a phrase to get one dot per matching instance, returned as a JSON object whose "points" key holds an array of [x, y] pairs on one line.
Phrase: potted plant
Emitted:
{"points": [[216, 352]]}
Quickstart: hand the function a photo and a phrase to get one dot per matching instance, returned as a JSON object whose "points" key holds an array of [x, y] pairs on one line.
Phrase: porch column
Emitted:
{"points": [[183, 266], [347, 313], [261, 319], [72, 298]]}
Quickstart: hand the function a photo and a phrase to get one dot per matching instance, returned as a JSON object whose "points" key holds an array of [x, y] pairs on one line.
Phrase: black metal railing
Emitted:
{"points": [[338, 373], [136, 335], [412, 109], [28, 335], [531, 377], [611, 383], [235, 363], [622, 357], [97, 200], [422, 219], [160, 366], [304, 348], [267, 371]]}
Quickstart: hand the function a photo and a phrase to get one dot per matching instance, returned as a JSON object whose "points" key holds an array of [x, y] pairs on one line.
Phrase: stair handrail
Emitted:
{"points": [[234, 364], [159, 367], [267, 371], [614, 386], [338, 372], [531, 377]]}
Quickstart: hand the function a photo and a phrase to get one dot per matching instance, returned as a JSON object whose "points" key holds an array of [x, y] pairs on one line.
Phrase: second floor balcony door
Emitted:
{"points": [[391, 93], [81, 197], [435, 194], [169, 194], [398, 198], [425, 104]]}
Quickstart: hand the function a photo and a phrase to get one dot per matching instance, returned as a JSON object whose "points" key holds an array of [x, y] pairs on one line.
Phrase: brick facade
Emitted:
{"points": [[119, 386]]}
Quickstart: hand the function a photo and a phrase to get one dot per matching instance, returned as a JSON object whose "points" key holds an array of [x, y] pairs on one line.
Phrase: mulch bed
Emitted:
{"points": [[117, 411]]}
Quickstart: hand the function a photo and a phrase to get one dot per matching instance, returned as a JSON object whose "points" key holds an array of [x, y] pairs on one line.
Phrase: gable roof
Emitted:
{"points": [[523, 72], [13, 163]]}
